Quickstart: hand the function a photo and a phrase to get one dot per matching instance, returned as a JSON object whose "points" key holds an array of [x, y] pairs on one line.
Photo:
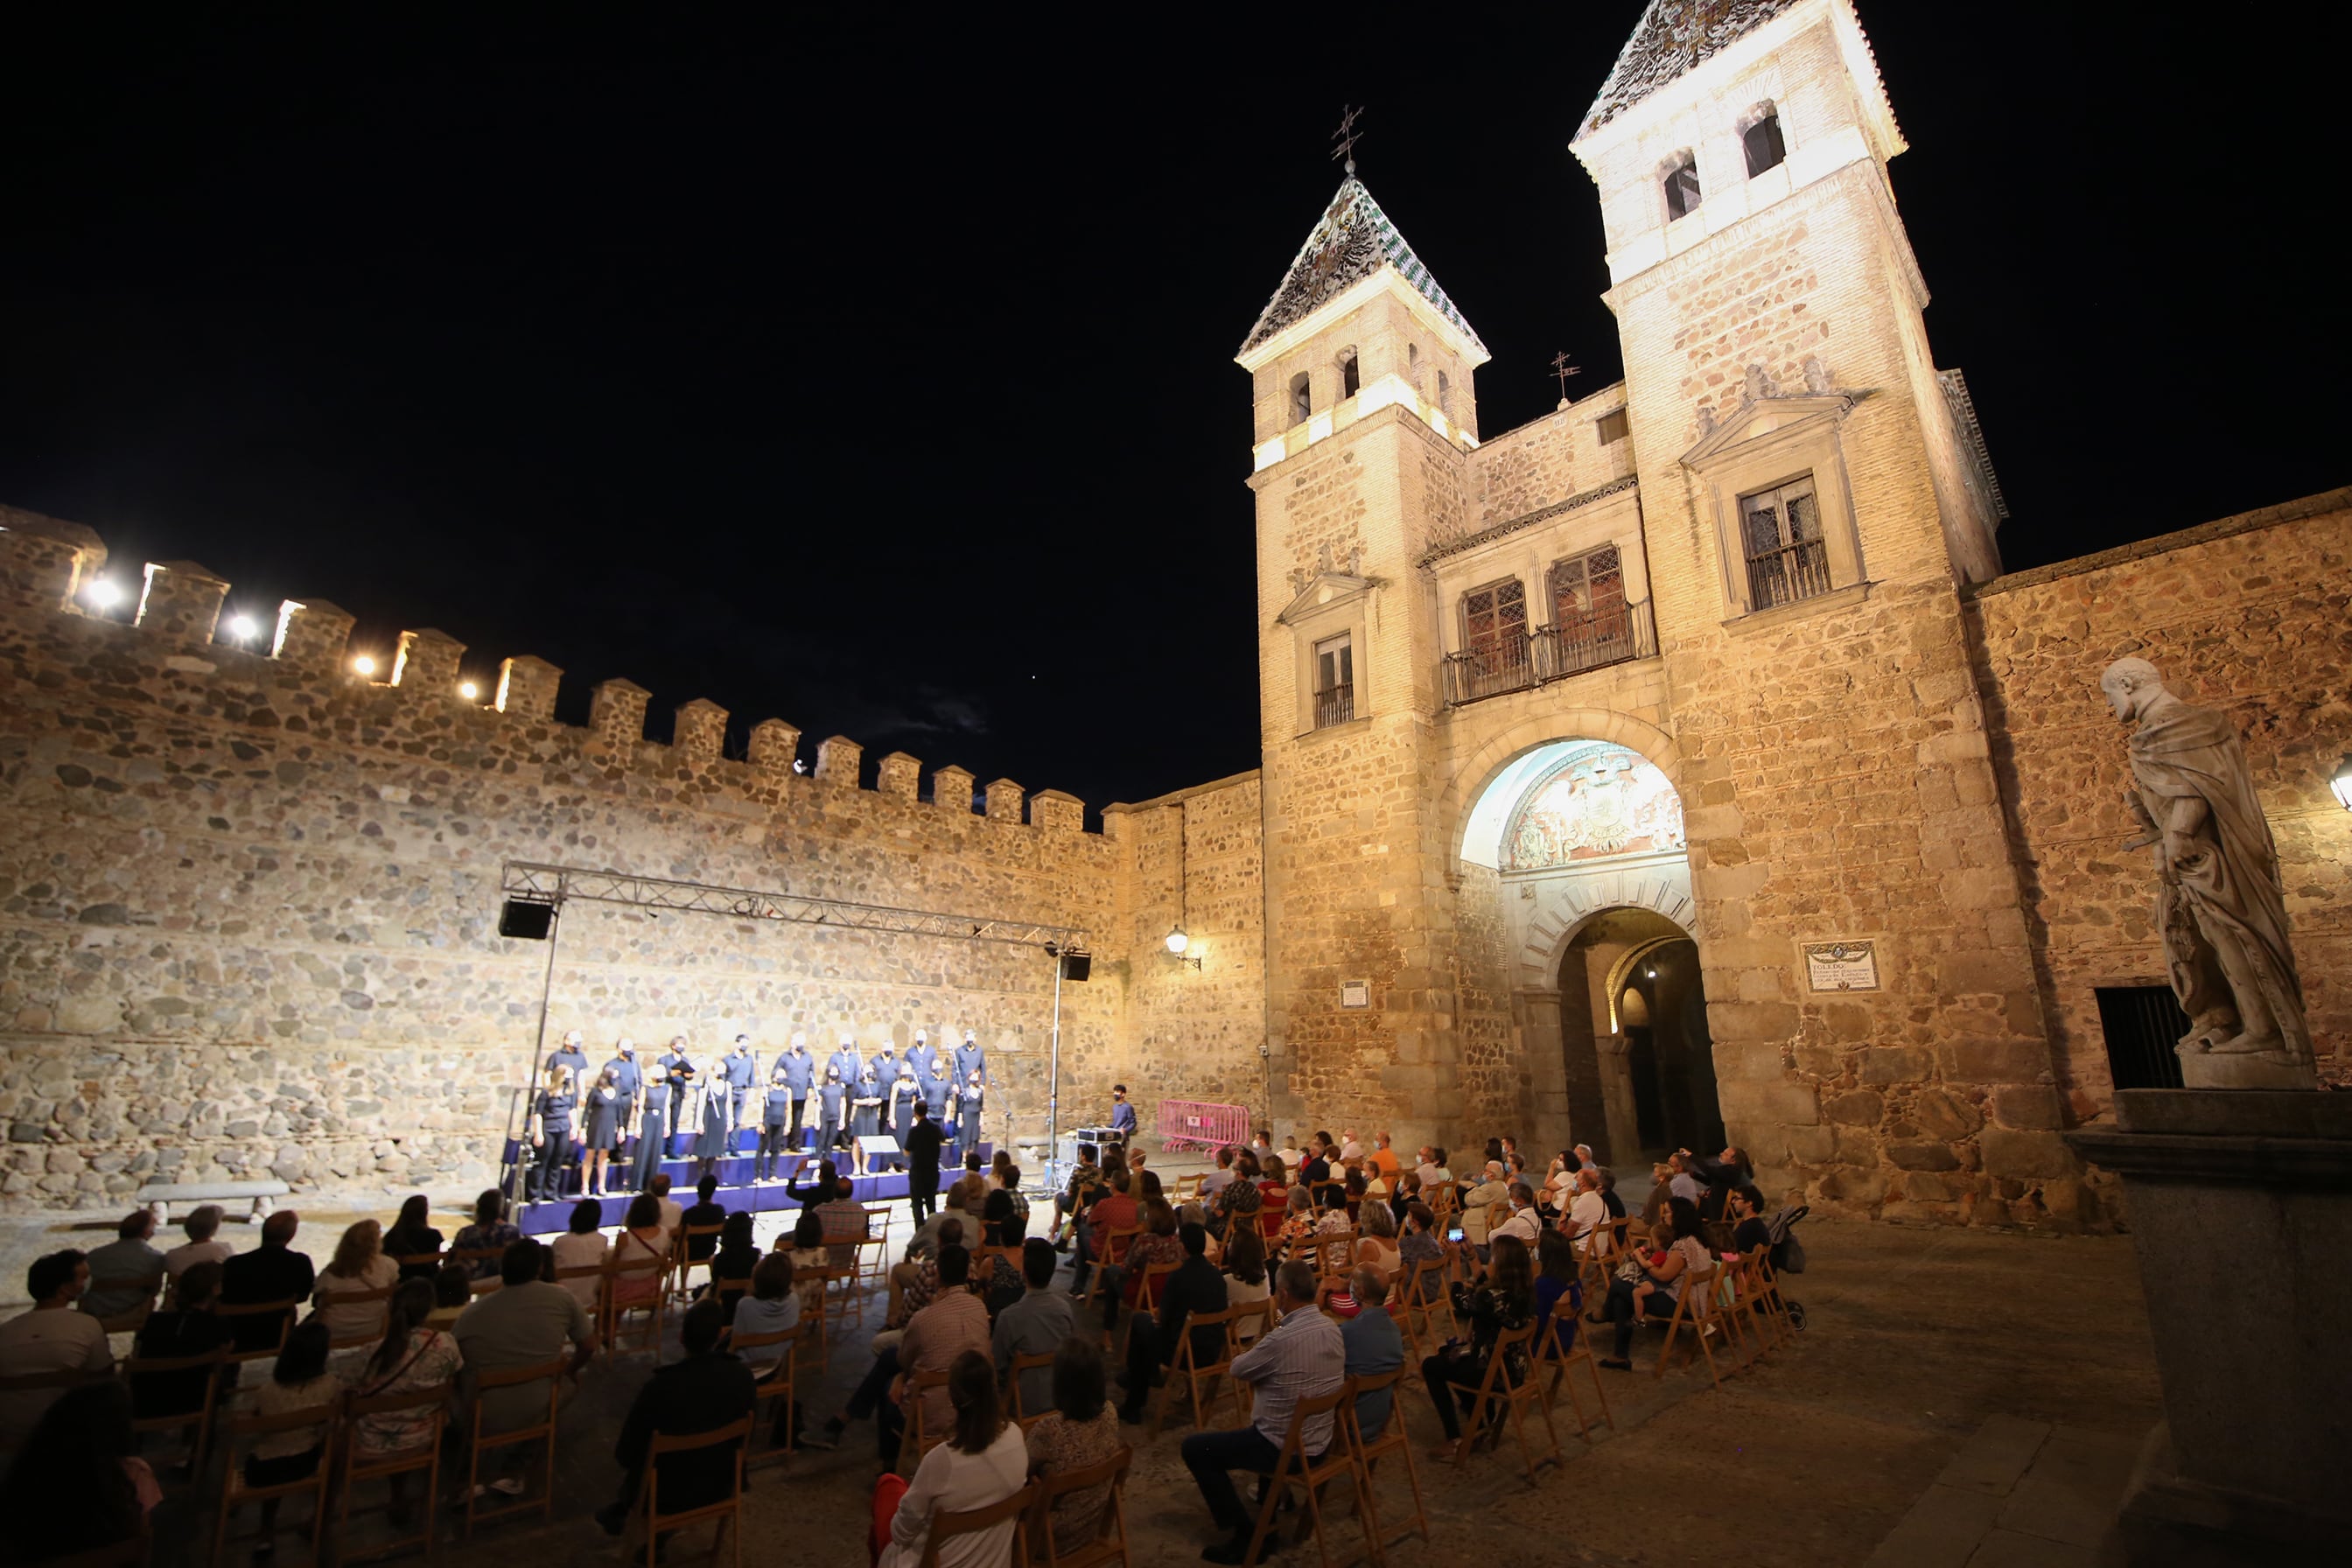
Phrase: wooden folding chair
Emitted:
{"points": [[243, 1432], [727, 1510], [838, 1301], [1760, 1303], [285, 1311], [426, 1263], [540, 1431], [682, 1249], [776, 1385], [919, 1440], [360, 1339], [1148, 1293], [1294, 1465], [1697, 1310], [424, 1457], [1183, 1367], [470, 1256], [199, 1419], [1115, 1243], [1496, 1396], [131, 1322], [1109, 1544], [1425, 1296], [874, 1271], [1392, 1438], [1561, 1364], [1023, 1418], [647, 1267], [947, 1524]]}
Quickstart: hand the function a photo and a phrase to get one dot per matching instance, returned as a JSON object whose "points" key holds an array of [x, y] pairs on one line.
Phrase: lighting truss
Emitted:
{"points": [[529, 882]]}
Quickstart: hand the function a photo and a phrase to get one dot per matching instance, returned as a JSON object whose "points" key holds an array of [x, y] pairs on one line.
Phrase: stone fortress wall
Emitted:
{"points": [[248, 900]]}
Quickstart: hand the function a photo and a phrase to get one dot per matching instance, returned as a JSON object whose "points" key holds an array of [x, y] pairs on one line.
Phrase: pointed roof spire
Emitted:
{"points": [[1353, 241], [1671, 36]]}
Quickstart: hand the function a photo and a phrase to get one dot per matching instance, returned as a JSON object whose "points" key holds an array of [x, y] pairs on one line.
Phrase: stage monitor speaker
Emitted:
{"points": [[529, 921], [1077, 965]]}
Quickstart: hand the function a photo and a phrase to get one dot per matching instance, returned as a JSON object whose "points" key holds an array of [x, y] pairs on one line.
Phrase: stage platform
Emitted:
{"points": [[736, 1188]]}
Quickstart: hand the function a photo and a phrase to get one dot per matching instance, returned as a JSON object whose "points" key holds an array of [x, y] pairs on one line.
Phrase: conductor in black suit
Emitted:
{"points": [[923, 1141]]}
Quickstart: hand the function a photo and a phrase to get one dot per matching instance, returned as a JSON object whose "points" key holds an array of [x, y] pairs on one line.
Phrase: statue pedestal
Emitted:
{"points": [[2241, 1206]]}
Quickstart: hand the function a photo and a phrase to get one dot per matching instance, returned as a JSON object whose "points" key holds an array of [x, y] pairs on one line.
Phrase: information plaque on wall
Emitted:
{"points": [[1355, 994], [1841, 965]]}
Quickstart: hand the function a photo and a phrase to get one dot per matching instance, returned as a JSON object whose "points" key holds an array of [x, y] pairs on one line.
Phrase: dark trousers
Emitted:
{"points": [[925, 1202], [873, 1398], [1146, 1353], [1212, 1456], [554, 1156], [800, 1109], [828, 1133], [1452, 1381], [1618, 1309], [772, 1149]]}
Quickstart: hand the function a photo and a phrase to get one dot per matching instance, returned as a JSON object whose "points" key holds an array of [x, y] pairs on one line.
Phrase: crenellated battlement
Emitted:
{"points": [[53, 576]]}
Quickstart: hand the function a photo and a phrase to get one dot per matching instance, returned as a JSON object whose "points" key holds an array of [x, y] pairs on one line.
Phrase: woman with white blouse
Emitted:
{"points": [[984, 1460]]}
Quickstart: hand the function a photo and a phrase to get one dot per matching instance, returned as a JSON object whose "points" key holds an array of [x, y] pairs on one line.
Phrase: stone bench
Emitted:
{"points": [[160, 1196]]}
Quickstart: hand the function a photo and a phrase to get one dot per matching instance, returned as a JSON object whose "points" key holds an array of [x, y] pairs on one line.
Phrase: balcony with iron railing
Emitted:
{"points": [[1335, 704], [1588, 641], [1787, 573]]}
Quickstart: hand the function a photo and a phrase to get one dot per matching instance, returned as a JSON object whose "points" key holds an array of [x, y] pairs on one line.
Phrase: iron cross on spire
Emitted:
{"points": [[1347, 136], [1563, 369]]}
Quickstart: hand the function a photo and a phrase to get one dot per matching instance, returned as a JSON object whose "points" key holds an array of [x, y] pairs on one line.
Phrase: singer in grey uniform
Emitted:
{"points": [[630, 1083], [799, 1068], [888, 1069], [971, 1058], [571, 1054], [775, 1114], [919, 1057], [847, 1061], [742, 1072], [665, 1107], [832, 1098], [940, 1097], [551, 1134]]}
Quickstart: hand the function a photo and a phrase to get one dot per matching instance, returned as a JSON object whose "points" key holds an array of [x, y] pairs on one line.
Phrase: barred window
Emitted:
{"points": [[1494, 617], [1763, 144], [1780, 530], [1682, 188], [1589, 588], [1335, 682]]}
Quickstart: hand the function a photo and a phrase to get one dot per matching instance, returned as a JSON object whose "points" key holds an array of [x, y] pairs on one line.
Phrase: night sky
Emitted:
{"points": [[879, 376]]}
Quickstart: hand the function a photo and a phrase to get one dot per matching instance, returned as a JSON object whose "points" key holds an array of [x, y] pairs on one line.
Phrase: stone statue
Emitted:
{"points": [[2219, 903]]}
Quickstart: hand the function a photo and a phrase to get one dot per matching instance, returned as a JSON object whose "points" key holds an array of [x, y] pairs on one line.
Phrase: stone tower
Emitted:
{"points": [[1360, 369]]}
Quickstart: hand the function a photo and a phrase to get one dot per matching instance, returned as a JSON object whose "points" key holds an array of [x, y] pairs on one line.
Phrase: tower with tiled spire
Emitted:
{"points": [[1360, 371]]}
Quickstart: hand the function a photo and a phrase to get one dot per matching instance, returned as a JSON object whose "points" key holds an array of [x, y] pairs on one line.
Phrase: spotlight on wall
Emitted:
{"points": [[241, 629], [468, 690], [2342, 782], [103, 594], [363, 664]]}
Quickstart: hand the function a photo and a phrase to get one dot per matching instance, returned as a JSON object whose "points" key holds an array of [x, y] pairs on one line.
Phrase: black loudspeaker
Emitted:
{"points": [[530, 922], [1077, 965]]}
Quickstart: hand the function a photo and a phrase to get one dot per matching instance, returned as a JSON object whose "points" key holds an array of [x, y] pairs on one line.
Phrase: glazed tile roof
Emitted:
{"points": [[1353, 240], [1671, 36]]}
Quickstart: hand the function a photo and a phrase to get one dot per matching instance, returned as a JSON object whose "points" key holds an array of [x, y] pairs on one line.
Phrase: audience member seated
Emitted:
{"points": [[1300, 1358], [673, 1217], [1217, 1180], [1114, 1209], [1334, 1232], [453, 1289], [1157, 1247], [1560, 1298], [1505, 1299], [915, 1281], [299, 1380], [1247, 1280], [1748, 1231], [954, 1322], [810, 1259], [1384, 1158], [583, 1246], [358, 1266], [491, 1231], [1077, 1432], [202, 1227], [1297, 1226], [1003, 1230], [272, 1271], [706, 1389], [526, 1322], [1585, 1208], [1475, 1205], [1378, 1244], [51, 1338], [1195, 1287], [1036, 1324], [770, 1307], [119, 1271], [1432, 1169], [78, 1485], [1420, 1244], [642, 1239], [1239, 1199], [1085, 1183], [832, 1198], [413, 1358], [410, 1236], [188, 1327], [734, 1258], [1524, 1223], [1374, 1345], [1274, 1189], [707, 1211], [1609, 1201], [1678, 1245], [983, 1461]]}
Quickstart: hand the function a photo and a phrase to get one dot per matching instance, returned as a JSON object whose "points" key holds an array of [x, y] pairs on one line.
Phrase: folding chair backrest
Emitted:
{"points": [[285, 1311], [947, 1524], [545, 1371], [1021, 1363], [1111, 1472]]}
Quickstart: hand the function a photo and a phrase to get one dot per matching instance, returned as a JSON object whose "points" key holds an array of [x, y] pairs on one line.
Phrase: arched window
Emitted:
{"points": [[1763, 141], [1301, 399], [1682, 186], [1347, 374], [1444, 395], [1412, 365]]}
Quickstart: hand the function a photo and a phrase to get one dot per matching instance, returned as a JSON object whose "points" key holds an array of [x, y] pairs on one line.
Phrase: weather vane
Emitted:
{"points": [[1563, 369], [1347, 136]]}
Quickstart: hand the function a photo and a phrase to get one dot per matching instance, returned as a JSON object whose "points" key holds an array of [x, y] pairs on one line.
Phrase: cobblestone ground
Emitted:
{"points": [[1915, 1337]]}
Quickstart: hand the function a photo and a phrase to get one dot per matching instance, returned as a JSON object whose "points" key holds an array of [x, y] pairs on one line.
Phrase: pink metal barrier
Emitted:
{"points": [[1199, 1124]]}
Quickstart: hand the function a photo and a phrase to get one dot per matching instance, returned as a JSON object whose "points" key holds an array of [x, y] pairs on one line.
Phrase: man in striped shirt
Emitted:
{"points": [[1302, 1357]]}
